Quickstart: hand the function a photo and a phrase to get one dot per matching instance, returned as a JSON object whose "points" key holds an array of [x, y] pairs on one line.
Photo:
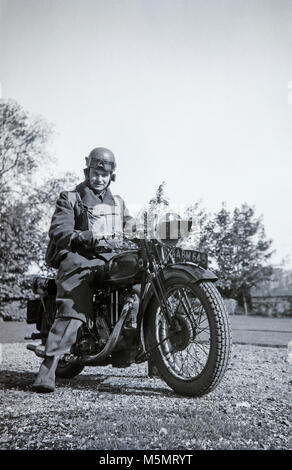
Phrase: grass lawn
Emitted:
{"points": [[245, 329], [263, 331]]}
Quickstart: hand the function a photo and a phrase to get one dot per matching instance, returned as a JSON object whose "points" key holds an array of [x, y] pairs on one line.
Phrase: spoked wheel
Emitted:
{"points": [[192, 350], [68, 367]]}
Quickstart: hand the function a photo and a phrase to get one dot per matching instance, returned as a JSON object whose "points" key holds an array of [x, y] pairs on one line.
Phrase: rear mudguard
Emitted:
{"points": [[194, 273]]}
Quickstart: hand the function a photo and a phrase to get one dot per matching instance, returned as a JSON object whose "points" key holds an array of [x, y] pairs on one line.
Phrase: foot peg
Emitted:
{"points": [[39, 350]]}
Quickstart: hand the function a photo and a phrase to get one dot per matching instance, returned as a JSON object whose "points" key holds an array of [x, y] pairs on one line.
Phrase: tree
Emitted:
{"points": [[160, 199], [25, 204], [280, 283], [147, 216], [197, 236], [160, 205], [240, 251], [23, 141]]}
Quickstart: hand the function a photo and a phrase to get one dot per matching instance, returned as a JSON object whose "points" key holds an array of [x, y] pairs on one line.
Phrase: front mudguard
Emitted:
{"points": [[194, 273]]}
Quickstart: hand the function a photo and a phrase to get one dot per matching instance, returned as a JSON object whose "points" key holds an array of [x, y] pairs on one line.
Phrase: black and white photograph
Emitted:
{"points": [[145, 230]]}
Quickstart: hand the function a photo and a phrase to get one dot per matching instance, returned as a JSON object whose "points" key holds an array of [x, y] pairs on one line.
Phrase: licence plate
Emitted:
{"points": [[193, 256]]}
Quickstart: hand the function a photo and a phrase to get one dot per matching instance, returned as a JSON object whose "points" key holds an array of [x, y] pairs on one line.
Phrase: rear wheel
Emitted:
{"points": [[68, 367], [192, 351]]}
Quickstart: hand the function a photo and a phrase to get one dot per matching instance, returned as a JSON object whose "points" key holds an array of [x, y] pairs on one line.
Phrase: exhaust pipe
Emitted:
{"points": [[94, 360]]}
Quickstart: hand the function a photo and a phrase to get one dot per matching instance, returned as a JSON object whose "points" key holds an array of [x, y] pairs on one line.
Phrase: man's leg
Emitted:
{"points": [[61, 337], [76, 281]]}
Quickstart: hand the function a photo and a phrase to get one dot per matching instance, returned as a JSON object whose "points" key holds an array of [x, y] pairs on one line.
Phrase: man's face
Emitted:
{"points": [[98, 179]]}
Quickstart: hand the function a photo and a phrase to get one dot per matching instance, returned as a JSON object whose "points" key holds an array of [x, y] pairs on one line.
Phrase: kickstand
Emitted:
{"points": [[152, 369]]}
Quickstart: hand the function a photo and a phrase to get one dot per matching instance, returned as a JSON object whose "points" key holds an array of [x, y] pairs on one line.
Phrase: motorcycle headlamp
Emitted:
{"points": [[170, 228]]}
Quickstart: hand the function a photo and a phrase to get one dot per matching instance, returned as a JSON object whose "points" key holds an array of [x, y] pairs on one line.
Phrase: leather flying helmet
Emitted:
{"points": [[102, 158]]}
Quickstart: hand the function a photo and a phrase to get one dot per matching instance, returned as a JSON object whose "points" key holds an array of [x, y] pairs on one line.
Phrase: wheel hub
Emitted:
{"points": [[180, 332]]}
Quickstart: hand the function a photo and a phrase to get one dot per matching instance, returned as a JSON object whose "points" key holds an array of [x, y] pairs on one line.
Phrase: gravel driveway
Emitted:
{"points": [[107, 408]]}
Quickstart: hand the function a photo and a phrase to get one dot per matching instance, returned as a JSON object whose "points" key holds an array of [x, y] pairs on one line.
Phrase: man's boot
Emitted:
{"points": [[60, 339], [45, 381]]}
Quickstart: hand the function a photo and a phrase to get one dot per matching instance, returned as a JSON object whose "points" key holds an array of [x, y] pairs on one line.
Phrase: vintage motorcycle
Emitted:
{"points": [[164, 309]]}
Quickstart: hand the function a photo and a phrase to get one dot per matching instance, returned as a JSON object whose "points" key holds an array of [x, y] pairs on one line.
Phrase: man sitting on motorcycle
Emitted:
{"points": [[86, 218]]}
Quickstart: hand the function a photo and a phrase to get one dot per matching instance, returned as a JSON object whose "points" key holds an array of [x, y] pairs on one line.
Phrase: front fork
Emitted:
{"points": [[156, 278]]}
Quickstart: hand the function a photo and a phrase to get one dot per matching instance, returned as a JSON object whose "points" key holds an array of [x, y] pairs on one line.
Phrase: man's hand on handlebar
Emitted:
{"points": [[83, 240], [115, 244], [86, 241]]}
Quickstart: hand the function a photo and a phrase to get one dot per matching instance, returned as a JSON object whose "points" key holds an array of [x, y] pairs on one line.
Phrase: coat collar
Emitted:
{"points": [[90, 199]]}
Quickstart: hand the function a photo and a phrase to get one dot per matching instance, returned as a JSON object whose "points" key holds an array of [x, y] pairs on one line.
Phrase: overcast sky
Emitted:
{"points": [[191, 92]]}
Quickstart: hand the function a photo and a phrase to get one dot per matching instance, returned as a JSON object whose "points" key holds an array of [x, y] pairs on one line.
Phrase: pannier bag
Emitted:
{"points": [[34, 312]]}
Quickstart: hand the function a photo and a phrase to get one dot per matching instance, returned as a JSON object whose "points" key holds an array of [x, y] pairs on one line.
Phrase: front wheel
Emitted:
{"points": [[191, 351]]}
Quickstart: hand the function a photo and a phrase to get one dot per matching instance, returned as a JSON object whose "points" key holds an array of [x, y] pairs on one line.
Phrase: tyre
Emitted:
{"points": [[191, 351], [68, 367]]}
